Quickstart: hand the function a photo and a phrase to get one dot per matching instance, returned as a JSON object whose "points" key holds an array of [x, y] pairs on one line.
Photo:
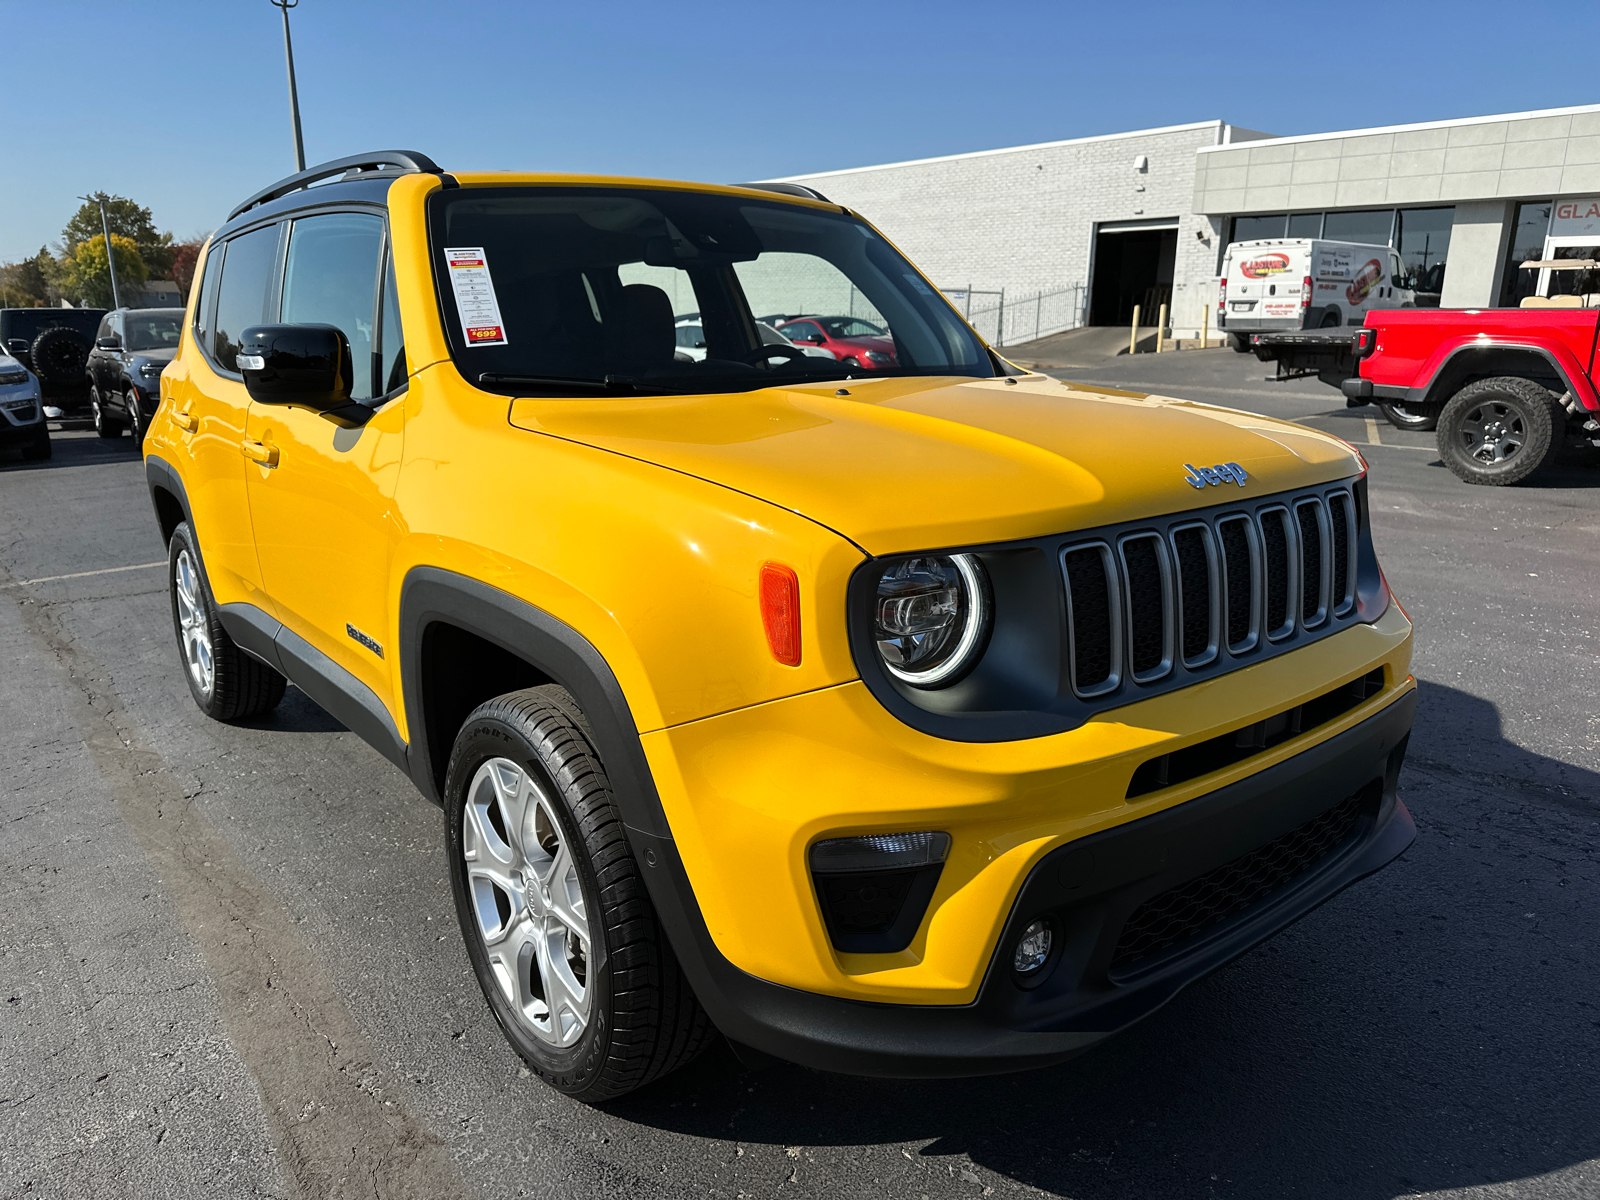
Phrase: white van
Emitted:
{"points": [[1306, 283]]}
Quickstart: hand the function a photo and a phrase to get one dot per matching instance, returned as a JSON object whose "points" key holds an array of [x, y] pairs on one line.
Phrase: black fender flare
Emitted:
{"points": [[549, 645], [1427, 393]]}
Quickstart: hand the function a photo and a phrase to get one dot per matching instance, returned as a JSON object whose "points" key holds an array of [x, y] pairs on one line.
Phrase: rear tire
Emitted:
{"points": [[1423, 417], [1500, 431], [559, 927], [1239, 343], [226, 683]]}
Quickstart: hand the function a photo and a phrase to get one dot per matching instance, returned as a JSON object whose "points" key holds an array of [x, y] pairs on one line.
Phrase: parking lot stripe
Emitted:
{"points": [[82, 574], [1372, 432]]}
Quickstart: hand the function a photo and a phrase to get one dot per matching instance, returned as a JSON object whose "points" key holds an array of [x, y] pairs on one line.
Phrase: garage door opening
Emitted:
{"points": [[1132, 265]]}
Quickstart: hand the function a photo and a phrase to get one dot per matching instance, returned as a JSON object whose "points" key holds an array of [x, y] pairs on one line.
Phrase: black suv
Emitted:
{"points": [[54, 344], [131, 347]]}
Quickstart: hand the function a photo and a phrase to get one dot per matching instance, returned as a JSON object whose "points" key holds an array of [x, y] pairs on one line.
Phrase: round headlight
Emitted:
{"points": [[931, 617]]}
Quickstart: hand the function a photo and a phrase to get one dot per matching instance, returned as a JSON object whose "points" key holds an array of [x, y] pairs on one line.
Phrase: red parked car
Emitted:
{"points": [[854, 342]]}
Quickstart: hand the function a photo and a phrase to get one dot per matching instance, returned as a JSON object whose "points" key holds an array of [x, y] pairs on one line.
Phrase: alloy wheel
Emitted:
{"points": [[527, 901], [193, 624], [1493, 431]]}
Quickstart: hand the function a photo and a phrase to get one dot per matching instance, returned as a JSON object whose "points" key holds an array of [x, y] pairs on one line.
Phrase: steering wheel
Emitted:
{"points": [[761, 354]]}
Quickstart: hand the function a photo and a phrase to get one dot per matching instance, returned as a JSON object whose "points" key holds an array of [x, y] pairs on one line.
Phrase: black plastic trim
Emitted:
{"points": [[387, 163], [431, 594], [787, 189]]}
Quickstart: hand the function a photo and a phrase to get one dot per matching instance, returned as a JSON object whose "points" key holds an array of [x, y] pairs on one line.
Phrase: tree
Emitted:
{"points": [[84, 275], [26, 284], [130, 220], [184, 257]]}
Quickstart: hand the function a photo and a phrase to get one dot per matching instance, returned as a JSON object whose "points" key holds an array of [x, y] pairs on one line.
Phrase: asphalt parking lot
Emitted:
{"points": [[229, 965]]}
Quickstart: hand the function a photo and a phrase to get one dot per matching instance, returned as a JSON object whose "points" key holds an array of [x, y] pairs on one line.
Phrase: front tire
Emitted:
{"points": [[1421, 417], [559, 928], [1500, 431], [226, 683]]}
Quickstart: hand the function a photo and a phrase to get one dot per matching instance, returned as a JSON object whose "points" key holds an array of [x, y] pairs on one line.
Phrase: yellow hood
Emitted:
{"points": [[912, 464]]}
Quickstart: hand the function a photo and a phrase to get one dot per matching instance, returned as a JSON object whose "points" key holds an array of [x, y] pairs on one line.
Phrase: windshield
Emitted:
{"points": [[545, 286], [155, 330]]}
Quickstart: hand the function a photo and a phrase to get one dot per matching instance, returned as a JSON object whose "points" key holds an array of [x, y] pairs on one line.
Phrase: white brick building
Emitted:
{"points": [[1081, 230]]}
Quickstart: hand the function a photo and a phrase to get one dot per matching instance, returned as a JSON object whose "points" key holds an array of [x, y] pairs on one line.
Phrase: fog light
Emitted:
{"points": [[1033, 948]]}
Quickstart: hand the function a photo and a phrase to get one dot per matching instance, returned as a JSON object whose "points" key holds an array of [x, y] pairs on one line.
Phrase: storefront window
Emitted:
{"points": [[1424, 241], [1249, 229], [1371, 227], [1527, 243], [1305, 225]]}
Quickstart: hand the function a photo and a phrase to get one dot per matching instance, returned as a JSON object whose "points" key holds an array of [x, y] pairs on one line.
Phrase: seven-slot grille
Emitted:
{"points": [[1191, 590]]}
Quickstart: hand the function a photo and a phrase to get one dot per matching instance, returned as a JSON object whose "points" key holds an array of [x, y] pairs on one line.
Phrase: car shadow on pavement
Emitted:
{"points": [[296, 713], [69, 450], [1434, 1027]]}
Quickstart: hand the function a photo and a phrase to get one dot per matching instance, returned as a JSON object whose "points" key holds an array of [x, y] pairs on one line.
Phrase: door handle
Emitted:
{"points": [[264, 453], [186, 421]]}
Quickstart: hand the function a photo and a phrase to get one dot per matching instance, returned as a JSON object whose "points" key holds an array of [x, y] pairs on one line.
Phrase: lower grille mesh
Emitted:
{"points": [[1191, 908]]}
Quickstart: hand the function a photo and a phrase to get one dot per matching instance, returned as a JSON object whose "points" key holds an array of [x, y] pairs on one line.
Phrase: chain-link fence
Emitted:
{"points": [[1026, 318]]}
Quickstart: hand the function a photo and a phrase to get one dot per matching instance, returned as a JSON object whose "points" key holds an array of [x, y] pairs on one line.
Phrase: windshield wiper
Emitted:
{"points": [[611, 383]]}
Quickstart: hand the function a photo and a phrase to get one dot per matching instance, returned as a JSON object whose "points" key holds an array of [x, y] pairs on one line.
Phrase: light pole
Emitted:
{"points": [[294, 97], [111, 259]]}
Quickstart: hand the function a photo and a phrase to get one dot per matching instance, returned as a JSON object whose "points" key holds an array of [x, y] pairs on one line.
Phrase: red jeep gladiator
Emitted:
{"points": [[1507, 389]]}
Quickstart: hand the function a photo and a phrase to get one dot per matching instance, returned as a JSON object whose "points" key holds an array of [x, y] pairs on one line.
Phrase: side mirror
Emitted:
{"points": [[301, 366], [113, 342]]}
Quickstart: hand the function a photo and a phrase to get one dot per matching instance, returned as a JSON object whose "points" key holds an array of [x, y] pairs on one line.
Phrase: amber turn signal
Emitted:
{"points": [[780, 612]]}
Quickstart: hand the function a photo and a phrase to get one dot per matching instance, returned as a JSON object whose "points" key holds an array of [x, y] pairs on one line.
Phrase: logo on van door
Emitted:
{"points": [[1267, 264], [1371, 276]]}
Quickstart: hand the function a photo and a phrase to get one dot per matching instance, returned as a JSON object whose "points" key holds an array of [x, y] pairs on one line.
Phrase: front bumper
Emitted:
{"points": [[27, 425], [1089, 888]]}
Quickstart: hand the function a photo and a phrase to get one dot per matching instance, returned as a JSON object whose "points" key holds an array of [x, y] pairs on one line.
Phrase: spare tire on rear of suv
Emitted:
{"points": [[60, 355]]}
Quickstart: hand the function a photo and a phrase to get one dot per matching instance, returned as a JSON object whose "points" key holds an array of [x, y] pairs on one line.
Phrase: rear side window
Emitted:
{"points": [[331, 278], [205, 309], [242, 295]]}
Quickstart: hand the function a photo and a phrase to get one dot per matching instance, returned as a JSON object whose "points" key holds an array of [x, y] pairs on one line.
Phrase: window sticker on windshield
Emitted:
{"points": [[475, 300], [916, 283]]}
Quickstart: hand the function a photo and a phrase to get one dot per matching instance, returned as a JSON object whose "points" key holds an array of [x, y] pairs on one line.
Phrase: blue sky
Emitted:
{"points": [[189, 113]]}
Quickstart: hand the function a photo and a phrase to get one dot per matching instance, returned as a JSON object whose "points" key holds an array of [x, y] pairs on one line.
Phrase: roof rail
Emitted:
{"points": [[787, 189], [376, 160]]}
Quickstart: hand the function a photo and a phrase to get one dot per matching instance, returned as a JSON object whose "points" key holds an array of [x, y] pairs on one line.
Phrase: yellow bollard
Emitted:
{"points": [[1161, 329], [1133, 336], [1205, 327]]}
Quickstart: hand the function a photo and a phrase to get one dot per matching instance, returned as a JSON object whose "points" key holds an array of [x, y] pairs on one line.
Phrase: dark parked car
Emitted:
{"points": [[54, 344], [131, 347]]}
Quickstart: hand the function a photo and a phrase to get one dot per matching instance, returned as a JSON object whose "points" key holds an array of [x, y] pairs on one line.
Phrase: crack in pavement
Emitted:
{"points": [[337, 1135]]}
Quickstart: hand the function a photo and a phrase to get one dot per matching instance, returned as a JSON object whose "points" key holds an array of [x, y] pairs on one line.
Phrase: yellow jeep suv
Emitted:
{"points": [[935, 718]]}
